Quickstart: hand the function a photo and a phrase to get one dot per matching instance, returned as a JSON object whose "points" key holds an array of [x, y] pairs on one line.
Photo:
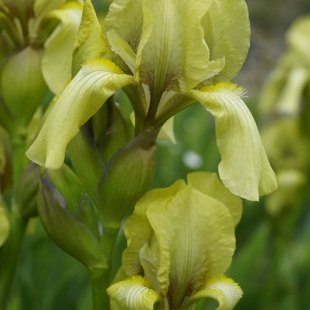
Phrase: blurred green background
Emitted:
{"points": [[272, 261]]}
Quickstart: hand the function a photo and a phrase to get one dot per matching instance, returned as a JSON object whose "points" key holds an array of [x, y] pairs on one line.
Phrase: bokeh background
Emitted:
{"points": [[272, 261]]}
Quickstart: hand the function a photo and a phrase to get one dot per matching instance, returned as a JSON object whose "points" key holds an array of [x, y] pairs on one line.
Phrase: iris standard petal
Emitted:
{"points": [[126, 18], [89, 43], [57, 58], [227, 33], [223, 289], [82, 98], [172, 53], [209, 184], [138, 230], [133, 294], [195, 235], [244, 168]]}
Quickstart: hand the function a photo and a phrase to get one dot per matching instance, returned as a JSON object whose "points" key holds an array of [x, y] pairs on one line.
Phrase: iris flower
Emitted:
{"points": [[167, 55], [180, 244]]}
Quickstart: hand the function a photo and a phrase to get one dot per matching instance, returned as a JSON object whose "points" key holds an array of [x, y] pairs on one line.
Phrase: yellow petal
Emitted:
{"points": [[121, 47], [125, 17], [90, 43], [172, 53], [227, 33], [57, 58], [195, 235], [4, 222], [137, 228], [82, 98], [134, 294], [209, 184], [223, 289], [42, 7], [298, 37], [244, 168]]}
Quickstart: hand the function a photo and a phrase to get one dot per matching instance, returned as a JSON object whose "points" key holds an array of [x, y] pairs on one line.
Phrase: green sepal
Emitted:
{"points": [[65, 230], [86, 160], [26, 193], [128, 176], [112, 129], [23, 89]]}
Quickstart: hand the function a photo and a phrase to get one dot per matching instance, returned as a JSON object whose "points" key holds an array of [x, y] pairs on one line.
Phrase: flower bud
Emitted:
{"points": [[86, 160], [70, 234], [112, 129], [128, 176], [23, 89]]}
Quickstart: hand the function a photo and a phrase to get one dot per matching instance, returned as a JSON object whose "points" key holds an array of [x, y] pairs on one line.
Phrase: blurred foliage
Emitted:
{"points": [[272, 262]]}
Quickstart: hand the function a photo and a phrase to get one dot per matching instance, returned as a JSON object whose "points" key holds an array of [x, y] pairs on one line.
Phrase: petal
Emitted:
{"points": [[167, 131], [172, 53], [244, 168], [137, 228], [209, 184], [125, 17], [134, 294], [223, 289], [289, 100], [227, 33], [4, 222], [121, 47], [298, 37], [42, 7], [82, 98], [57, 59], [90, 43], [195, 235]]}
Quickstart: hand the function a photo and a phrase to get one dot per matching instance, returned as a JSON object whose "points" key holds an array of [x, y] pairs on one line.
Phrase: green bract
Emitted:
{"points": [[182, 240], [167, 55]]}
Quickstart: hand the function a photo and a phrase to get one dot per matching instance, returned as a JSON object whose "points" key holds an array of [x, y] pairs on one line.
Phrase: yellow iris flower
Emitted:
{"points": [[180, 244], [167, 55]]}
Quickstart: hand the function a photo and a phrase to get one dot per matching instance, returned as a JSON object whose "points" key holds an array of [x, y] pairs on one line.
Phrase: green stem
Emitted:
{"points": [[9, 255], [10, 251], [101, 277], [100, 281]]}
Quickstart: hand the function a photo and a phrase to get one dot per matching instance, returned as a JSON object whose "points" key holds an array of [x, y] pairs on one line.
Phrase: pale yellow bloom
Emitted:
{"points": [[181, 238], [170, 54]]}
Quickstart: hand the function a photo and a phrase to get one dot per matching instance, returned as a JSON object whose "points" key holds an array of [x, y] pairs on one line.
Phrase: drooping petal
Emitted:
{"points": [[227, 33], [57, 58], [138, 230], [244, 168], [223, 289], [195, 235], [134, 294], [172, 53], [90, 43], [82, 98], [209, 184]]}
